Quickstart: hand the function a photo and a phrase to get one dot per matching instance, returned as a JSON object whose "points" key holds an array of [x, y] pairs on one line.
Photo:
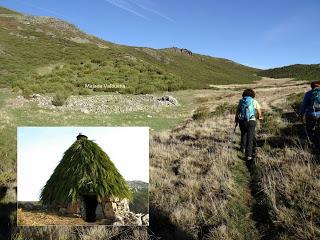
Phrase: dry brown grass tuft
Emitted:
{"points": [[191, 178], [291, 182], [81, 233]]}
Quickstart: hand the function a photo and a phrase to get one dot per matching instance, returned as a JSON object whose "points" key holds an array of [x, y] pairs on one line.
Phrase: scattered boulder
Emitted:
{"points": [[182, 51], [106, 104], [79, 40], [136, 220], [117, 224], [85, 111], [133, 219], [119, 219], [35, 95], [99, 212], [145, 219], [168, 100]]}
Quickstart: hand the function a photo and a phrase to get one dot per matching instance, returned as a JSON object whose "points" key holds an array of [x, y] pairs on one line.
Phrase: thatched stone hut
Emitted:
{"points": [[87, 182]]}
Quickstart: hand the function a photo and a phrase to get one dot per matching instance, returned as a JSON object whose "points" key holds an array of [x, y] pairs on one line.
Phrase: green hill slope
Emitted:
{"points": [[42, 54], [298, 71]]}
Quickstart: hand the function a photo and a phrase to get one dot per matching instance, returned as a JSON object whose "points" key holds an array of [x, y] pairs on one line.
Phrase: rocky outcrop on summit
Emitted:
{"points": [[181, 50]]}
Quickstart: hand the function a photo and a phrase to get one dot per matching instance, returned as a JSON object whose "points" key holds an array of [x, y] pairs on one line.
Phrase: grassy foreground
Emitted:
{"points": [[200, 186]]}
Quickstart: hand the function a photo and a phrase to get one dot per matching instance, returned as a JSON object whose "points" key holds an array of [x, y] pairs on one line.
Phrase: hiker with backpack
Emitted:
{"points": [[310, 109], [248, 112]]}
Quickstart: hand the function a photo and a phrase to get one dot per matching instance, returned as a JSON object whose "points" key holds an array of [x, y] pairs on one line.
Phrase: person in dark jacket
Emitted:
{"points": [[311, 115], [248, 127]]}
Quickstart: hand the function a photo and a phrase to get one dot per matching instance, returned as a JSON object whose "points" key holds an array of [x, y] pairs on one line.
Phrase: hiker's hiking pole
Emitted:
{"points": [[304, 125], [232, 136], [306, 131], [235, 127]]}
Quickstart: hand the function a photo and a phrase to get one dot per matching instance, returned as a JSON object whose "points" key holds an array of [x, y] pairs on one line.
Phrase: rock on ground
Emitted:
{"points": [[168, 100], [100, 103]]}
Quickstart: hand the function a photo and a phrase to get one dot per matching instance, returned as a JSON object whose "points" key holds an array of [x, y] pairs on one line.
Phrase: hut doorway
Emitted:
{"points": [[90, 205]]}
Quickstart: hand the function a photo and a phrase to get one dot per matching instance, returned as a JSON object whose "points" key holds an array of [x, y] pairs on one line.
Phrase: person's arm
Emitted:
{"points": [[258, 109], [259, 113]]}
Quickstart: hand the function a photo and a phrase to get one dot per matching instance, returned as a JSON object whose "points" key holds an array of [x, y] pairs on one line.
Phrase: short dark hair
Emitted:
{"points": [[315, 84], [248, 92]]}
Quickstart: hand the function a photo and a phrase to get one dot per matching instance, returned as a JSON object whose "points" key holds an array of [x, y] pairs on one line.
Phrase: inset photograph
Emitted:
{"points": [[83, 176]]}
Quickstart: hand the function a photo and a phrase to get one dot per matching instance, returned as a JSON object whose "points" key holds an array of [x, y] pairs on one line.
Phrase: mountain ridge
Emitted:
{"points": [[44, 55], [297, 71]]}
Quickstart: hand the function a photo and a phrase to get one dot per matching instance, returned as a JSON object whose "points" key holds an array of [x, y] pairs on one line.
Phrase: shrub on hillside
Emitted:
{"points": [[225, 109], [84, 91], [295, 101], [271, 124], [26, 93], [139, 203], [201, 113], [16, 89], [145, 89], [59, 99]]}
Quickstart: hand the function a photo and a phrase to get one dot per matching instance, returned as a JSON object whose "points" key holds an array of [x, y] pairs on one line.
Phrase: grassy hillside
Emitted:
{"points": [[297, 71], [41, 54]]}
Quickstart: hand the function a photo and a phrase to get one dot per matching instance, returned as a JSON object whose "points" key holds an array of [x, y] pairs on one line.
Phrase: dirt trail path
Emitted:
{"points": [[272, 95], [269, 92]]}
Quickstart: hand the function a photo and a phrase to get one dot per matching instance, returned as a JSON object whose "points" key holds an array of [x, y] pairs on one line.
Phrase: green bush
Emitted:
{"points": [[84, 91], [271, 124], [59, 99], [26, 93], [15, 89], [295, 100], [201, 113], [139, 203], [144, 89], [225, 109]]}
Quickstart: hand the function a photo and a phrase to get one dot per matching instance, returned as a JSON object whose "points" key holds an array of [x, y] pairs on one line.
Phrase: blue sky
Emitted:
{"points": [[263, 34], [40, 150]]}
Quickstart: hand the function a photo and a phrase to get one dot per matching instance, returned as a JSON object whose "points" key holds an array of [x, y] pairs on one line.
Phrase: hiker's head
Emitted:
{"points": [[315, 84], [248, 93]]}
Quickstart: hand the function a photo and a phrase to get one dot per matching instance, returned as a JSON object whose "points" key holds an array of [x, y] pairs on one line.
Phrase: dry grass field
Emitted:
{"points": [[201, 188]]}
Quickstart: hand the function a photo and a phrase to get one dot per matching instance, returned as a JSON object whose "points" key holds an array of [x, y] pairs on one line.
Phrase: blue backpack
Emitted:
{"points": [[315, 99], [247, 110]]}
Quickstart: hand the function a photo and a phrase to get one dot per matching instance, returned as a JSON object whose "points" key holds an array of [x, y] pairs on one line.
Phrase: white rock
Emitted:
{"points": [[119, 219], [145, 219], [117, 224], [86, 111]]}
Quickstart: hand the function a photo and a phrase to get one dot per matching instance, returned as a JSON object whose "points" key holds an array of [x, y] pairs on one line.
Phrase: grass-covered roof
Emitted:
{"points": [[84, 169]]}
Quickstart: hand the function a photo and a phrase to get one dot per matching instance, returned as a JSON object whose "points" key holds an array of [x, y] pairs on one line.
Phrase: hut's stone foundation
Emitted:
{"points": [[113, 211], [108, 209]]}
